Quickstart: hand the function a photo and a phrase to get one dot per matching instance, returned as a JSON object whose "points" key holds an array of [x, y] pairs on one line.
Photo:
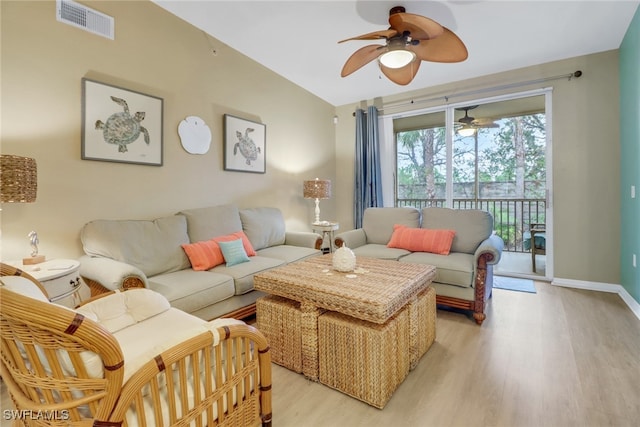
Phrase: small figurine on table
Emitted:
{"points": [[35, 258]]}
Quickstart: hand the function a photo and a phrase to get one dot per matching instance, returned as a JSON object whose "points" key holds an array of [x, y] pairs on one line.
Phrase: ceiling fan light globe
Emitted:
{"points": [[466, 131], [397, 58]]}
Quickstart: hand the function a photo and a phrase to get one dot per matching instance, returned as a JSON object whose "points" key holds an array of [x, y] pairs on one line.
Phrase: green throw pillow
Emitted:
{"points": [[233, 252]]}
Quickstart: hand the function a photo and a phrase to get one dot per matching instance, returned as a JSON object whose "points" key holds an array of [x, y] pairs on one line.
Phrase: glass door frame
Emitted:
{"points": [[388, 146]]}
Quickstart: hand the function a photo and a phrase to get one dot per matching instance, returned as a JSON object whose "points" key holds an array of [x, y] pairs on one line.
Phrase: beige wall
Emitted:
{"points": [[43, 62], [586, 159]]}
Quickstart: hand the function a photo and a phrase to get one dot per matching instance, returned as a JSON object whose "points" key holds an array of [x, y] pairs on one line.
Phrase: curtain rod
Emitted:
{"points": [[446, 98]]}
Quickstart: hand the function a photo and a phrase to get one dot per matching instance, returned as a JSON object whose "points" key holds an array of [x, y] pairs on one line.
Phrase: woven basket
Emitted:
{"points": [[279, 320], [422, 325], [363, 359], [18, 179]]}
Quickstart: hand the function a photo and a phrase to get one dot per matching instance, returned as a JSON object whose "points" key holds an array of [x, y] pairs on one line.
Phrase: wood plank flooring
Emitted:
{"points": [[561, 357]]}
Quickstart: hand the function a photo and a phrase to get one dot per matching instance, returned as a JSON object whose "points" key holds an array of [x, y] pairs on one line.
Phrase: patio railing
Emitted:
{"points": [[511, 217]]}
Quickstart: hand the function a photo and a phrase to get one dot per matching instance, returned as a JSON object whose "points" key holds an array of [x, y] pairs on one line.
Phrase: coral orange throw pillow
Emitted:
{"points": [[422, 239], [207, 254]]}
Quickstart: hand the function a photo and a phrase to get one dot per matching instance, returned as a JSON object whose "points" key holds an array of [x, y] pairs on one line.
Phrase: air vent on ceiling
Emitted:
{"points": [[81, 16]]}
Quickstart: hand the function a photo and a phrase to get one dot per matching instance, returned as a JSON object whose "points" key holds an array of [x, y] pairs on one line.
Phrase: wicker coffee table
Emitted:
{"points": [[358, 332]]}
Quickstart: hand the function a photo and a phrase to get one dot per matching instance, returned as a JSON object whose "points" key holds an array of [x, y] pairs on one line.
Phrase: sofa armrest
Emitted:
{"points": [[493, 246], [352, 238], [306, 239], [111, 274]]}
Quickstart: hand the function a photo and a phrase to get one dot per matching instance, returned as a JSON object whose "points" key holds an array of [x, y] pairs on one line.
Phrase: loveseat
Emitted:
{"points": [[180, 256], [463, 241], [127, 358]]}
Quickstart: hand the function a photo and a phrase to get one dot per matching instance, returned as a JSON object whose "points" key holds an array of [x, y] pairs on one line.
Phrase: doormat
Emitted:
{"points": [[514, 284]]}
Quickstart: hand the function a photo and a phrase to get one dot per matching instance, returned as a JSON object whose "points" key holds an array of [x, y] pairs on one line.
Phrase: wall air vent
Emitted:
{"points": [[80, 16]]}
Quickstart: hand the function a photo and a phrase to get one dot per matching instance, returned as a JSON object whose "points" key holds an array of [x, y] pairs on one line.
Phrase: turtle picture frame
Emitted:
{"points": [[245, 147], [121, 125]]}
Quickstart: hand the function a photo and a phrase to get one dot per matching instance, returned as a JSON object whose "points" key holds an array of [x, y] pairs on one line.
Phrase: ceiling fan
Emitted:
{"points": [[410, 40], [470, 124]]}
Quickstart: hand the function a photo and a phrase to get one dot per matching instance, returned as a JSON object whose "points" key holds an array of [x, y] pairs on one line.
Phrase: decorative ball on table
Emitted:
{"points": [[344, 260]]}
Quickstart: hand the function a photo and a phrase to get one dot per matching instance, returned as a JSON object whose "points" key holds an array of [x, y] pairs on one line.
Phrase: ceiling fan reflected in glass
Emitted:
{"points": [[410, 39], [469, 125]]}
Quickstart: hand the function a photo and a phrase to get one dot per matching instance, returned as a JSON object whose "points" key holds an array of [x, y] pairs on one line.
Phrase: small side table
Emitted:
{"points": [[326, 228], [60, 277]]}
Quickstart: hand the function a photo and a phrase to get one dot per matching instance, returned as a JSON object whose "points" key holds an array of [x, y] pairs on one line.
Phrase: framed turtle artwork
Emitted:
{"points": [[120, 125], [244, 145]]}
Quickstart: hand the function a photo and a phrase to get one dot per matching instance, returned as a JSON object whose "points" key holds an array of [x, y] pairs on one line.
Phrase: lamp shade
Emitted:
{"points": [[317, 189], [18, 179]]}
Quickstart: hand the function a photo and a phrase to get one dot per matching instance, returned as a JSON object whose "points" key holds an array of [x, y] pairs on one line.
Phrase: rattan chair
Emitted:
{"points": [[217, 376]]}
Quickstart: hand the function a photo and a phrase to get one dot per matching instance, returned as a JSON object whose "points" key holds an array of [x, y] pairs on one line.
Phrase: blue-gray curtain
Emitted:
{"points": [[368, 184]]}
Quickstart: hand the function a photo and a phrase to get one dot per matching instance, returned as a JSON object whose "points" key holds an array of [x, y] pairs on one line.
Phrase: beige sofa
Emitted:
{"points": [[464, 277], [139, 253]]}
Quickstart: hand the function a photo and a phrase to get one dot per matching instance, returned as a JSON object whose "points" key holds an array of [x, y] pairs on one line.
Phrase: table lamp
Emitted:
{"points": [[19, 184], [317, 189]]}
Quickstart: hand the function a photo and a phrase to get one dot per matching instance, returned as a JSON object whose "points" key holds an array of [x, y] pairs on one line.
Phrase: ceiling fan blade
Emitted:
{"points": [[419, 27], [484, 123], [402, 76], [361, 57], [382, 34], [444, 48]]}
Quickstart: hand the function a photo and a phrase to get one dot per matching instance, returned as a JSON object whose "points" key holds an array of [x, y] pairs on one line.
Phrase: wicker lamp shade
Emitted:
{"points": [[317, 189], [18, 179]]}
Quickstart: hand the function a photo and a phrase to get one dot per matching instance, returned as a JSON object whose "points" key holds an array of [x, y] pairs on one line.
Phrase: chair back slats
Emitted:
{"points": [[202, 384], [45, 364]]}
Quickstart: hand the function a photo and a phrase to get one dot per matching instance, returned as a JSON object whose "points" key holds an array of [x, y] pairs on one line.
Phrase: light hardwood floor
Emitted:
{"points": [[561, 357]]}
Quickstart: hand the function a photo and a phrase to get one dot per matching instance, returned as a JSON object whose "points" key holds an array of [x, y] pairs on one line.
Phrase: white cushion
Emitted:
{"points": [[23, 286], [122, 309]]}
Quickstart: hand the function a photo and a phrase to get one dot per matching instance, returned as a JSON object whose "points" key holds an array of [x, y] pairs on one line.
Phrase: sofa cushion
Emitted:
{"points": [[379, 251], [152, 246], [233, 252], [207, 223], [288, 253], [472, 226], [190, 290], [264, 226], [378, 223], [422, 239], [454, 269], [243, 273]]}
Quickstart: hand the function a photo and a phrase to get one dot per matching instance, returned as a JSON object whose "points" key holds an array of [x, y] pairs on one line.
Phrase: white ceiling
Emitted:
{"points": [[298, 39]]}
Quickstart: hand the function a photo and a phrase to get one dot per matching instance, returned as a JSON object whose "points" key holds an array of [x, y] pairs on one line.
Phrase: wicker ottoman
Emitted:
{"points": [[279, 320], [363, 359], [422, 324]]}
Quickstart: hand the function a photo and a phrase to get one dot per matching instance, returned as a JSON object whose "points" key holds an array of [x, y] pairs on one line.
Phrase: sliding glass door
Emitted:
{"points": [[487, 154]]}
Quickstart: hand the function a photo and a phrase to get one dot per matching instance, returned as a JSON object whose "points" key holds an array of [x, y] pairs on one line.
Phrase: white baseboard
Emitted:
{"points": [[601, 287]]}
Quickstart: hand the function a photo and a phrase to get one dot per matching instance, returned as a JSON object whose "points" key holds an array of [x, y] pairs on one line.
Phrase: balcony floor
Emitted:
{"points": [[519, 264]]}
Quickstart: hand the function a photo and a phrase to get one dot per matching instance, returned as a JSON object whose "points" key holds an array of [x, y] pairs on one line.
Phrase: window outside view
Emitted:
{"points": [[499, 166]]}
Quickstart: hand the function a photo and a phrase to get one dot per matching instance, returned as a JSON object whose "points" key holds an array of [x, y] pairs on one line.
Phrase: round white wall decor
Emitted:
{"points": [[195, 135]]}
